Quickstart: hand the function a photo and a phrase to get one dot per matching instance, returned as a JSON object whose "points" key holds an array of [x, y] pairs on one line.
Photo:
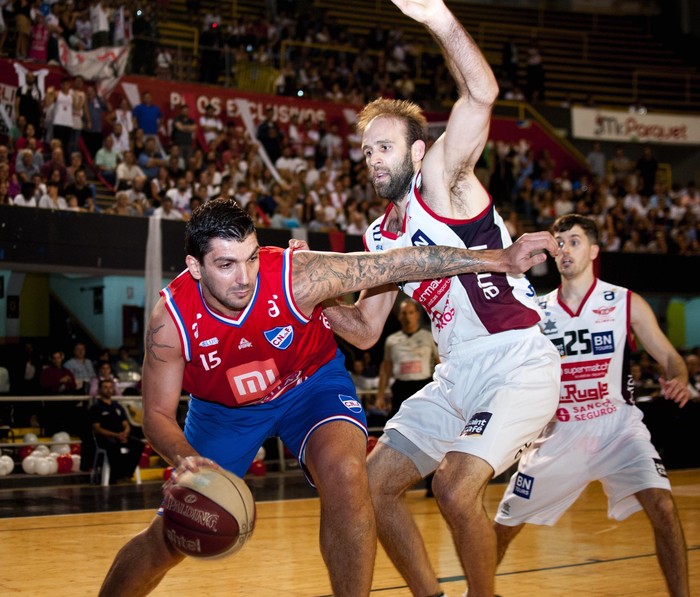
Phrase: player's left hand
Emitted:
{"points": [[529, 250], [676, 390]]}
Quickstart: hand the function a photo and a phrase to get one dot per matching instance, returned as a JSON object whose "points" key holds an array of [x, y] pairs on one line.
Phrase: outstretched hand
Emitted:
{"points": [[528, 251], [419, 10], [676, 390]]}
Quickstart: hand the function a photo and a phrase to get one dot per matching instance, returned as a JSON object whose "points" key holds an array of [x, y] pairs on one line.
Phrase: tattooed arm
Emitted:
{"points": [[163, 368], [318, 276]]}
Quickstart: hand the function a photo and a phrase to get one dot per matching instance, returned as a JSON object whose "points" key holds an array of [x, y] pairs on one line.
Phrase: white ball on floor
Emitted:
{"points": [[7, 462], [29, 464], [43, 466], [60, 448], [30, 438]]}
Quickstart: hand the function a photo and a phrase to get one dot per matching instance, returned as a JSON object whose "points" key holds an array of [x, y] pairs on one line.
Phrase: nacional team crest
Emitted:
{"points": [[280, 337]]}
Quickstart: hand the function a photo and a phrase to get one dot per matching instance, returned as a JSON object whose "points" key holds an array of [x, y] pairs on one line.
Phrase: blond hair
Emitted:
{"points": [[403, 110]]}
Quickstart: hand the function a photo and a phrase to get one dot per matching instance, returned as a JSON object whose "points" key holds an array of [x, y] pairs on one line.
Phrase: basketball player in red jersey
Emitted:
{"points": [[242, 330], [497, 384]]}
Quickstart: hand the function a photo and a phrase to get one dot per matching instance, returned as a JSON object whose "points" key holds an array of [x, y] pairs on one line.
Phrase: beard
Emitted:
{"points": [[397, 184]]}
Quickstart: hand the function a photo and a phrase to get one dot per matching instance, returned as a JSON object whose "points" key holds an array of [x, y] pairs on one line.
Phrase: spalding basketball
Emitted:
{"points": [[208, 514]]}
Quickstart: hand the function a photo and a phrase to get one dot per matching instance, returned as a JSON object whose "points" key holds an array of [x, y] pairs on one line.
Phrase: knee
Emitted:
{"points": [[660, 507], [452, 495]]}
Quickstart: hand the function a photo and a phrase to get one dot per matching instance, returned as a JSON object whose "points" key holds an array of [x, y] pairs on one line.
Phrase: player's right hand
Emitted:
{"points": [[189, 463]]}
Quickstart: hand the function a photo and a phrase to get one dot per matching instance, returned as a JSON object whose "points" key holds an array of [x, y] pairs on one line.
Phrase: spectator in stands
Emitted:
{"points": [[39, 42], [107, 160], [183, 132], [26, 166], [164, 64], [81, 188], [137, 195], [534, 72], [150, 159], [100, 15], [166, 210], [210, 125], [148, 116], [159, 185], [509, 60], [621, 169], [55, 378], [596, 162], [76, 163], [125, 365], [646, 170], [52, 199], [180, 194], [96, 108], [26, 197], [29, 100], [270, 135], [123, 115], [122, 143], [23, 27], [63, 106], [104, 371], [81, 116], [123, 207], [81, 367], [113, 433], [128, 170]]}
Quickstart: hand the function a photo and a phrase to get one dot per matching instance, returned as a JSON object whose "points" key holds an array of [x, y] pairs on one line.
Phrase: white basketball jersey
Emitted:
{"points": [[466, 307], [595, 346]]}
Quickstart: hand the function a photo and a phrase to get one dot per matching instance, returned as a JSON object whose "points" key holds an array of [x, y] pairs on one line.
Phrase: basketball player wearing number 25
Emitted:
{"points": [[242, 330]]}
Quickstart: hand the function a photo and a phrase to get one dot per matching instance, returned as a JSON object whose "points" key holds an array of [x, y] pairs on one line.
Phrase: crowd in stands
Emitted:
{"points": [[63, 141]]}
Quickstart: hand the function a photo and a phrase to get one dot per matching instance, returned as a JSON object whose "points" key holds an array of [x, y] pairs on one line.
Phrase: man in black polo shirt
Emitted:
{"points": [[112, 432]]}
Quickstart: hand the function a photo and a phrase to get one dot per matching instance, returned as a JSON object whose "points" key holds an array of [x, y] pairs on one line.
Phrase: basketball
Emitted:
{"points": [[208, 514]]}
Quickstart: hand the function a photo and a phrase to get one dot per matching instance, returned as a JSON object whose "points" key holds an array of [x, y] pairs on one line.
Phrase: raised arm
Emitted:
{"points": [[163, 368], [448, 165], [674, 385]]}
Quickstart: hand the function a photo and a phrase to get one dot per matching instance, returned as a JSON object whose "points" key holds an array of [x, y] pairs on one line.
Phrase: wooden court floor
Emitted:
{"points": [[585, 554]]}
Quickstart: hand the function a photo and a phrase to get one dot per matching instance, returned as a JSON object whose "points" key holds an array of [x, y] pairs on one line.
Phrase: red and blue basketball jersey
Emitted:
{"points": [[269, 348]]}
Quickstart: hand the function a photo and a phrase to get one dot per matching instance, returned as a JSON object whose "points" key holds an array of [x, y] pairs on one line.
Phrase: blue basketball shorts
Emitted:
{"points": [[231, 437]]}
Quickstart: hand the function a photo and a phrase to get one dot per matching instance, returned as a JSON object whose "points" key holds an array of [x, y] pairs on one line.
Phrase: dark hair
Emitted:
{"points": [[567, 222], [217, 218]]}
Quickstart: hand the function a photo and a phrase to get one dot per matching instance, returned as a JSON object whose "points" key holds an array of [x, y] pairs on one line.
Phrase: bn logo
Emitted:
{"points": [[603, 342], [523, 485]]}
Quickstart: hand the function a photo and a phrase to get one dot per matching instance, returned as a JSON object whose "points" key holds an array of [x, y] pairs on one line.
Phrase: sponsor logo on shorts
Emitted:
{"points": [[352, 404], [523, 485], [477, 424], [660, 468], [280, 337]]}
